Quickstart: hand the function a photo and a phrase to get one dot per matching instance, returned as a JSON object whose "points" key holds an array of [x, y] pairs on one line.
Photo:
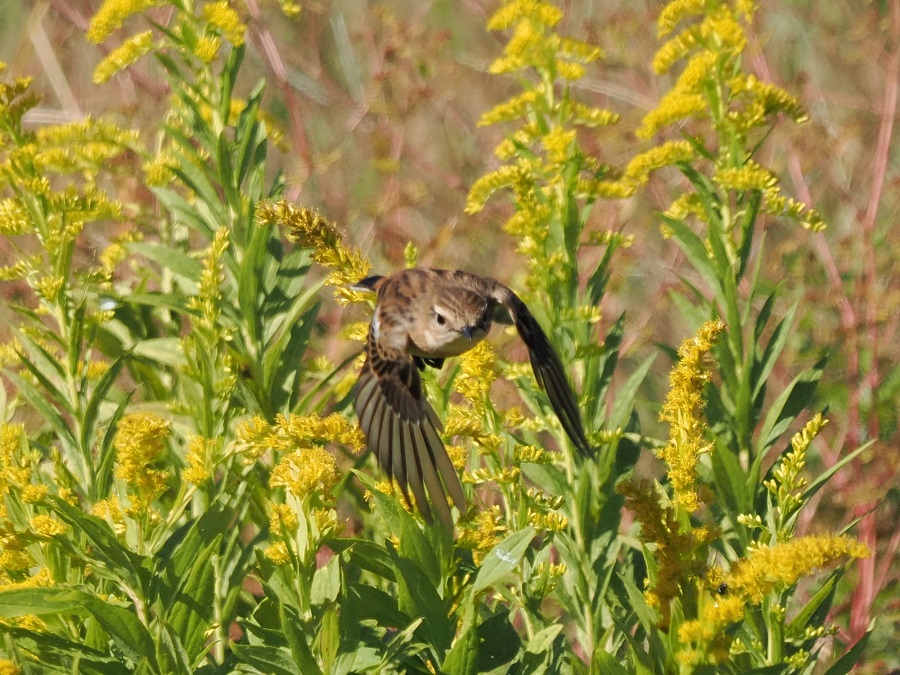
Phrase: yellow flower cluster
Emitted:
{"points": [[786, 481], [209, 294], [482, 533], [310, 230], [477, 374], [678, 553], [222, 16], [123, 56], [113, 14], [200, 458], [139, 442], [763, 571], [306, 471], [543, 151], [683, 410]]}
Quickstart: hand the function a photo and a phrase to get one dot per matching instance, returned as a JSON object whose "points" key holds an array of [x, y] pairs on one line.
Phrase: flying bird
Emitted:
{"points": [[422, 316]]}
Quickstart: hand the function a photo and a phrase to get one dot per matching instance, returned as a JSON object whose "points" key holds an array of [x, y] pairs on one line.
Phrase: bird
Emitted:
{"points": [[423, 316]]}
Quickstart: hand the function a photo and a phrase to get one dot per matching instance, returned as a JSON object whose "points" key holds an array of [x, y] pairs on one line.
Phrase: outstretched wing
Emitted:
{"points": [[548, 369], [402, 429]]}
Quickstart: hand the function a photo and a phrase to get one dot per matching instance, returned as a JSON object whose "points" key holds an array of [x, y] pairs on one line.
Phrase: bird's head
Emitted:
{"points": [[454, 324]]}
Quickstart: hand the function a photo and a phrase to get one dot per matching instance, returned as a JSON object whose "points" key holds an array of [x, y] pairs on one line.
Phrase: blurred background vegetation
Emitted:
{"points": [[379, 105]]}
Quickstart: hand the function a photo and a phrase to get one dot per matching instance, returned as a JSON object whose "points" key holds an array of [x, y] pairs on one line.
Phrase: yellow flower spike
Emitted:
{"points": [[8, 667], [768, 568], [751, 176], [207, 48], [283, 519], [310, 230], [306, 472], [200, 454], [46, 526], [223, 17], [673, 107], [31, 494], [123, 56], [477, 374], [683, 409], [139, 442], [510, 110], [667, 154], [278, 553], [677, 11], [113, 14]]}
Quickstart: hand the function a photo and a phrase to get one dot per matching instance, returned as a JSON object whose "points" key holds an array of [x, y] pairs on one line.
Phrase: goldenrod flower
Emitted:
{"points": [[683, 410], [283, 519], [207, 48], [209, 293], [111, 512], [200, 454], [764, 570], [667, 154], [139, 442], [310, 230], [225, 19], [306, 471], [278, 553], [477, 374], [32, 494], [46, 526], [113, 14], [9, 668], [123, 56], [678, 553], [482, 533]]}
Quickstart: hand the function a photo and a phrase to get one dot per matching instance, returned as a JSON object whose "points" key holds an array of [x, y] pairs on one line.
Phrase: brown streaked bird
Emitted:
{"points": [[423, 316]]}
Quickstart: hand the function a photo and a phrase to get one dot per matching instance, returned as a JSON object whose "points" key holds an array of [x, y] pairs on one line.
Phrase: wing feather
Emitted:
{"points": [[549, 371], [402, 431]]}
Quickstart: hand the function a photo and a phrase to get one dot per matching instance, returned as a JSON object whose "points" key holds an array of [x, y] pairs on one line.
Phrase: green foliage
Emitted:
{"points": [[167, 502]]}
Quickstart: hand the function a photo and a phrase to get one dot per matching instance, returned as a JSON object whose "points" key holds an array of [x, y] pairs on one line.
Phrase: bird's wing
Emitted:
{"points": [[548, 369], [402, 430]]}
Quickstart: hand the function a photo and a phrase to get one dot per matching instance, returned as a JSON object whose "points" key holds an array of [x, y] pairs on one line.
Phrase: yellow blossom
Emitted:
{"points": [[283, 519], [306, 471], [482, 533], [200, 452], [310, 230], [768, 568], [112, 14], [46, 526], [123, 56], [222, 16], [667, 154], [32, 494], [139, 442], [8, 667], [683, 410], [207, 48], [751, 176], [278, 553]]}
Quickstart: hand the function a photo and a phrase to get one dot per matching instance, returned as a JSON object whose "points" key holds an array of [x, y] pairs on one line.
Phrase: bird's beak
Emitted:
{"points": [[468, 332]]}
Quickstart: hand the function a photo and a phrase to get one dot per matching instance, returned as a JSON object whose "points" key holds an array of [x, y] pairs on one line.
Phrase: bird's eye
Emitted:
{"points": [[440, 318]]}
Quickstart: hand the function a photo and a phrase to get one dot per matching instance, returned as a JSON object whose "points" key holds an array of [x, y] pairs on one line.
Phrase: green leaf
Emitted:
{"points": [[847, 662], [169, 258], [503, 558], [604, 663], [96, 399], [271, 660], [119, 562], [787, 406], [193, 610], [297, 641], [499, 642]]}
